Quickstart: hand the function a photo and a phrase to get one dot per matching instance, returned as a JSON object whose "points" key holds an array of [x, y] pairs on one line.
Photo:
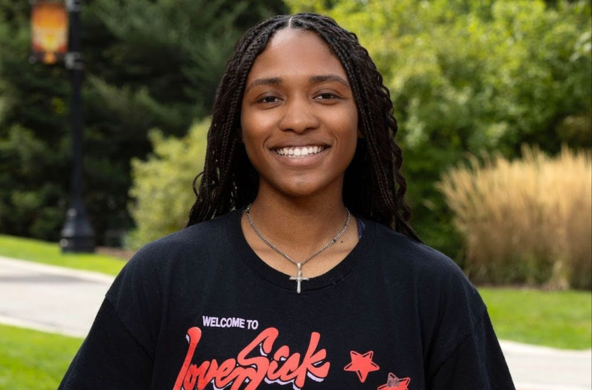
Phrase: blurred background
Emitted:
{"points": [[475, 83], [493, 100]]}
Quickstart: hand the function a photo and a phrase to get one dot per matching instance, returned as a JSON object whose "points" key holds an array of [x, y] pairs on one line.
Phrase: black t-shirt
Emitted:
{"points": [[199, 310]]}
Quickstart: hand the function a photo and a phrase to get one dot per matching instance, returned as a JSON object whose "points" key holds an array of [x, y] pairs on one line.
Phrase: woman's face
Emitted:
{"points": [[299, 119]]}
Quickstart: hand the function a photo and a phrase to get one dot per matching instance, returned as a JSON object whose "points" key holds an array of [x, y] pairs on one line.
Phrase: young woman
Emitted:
{"points": [[298, 268]]}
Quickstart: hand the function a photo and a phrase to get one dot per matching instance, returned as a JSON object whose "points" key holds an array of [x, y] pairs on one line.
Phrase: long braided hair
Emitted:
{"points": [[374, 187]]}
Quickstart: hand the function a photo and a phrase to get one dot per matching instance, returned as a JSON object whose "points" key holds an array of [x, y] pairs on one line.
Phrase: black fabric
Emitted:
{"points": [[199, 310]]}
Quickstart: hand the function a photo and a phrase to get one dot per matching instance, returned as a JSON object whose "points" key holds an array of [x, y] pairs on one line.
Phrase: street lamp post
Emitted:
{"points": [[77, 235]]}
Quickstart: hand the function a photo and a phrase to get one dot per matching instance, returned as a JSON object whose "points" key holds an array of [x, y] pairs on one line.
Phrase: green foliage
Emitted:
{"points": [[161, 184], [148, 64], [35, 207], [34, 360], [467, 76], [171, 52]]}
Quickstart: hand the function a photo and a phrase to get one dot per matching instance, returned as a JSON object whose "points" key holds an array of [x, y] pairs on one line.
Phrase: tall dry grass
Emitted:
{"points": [[525, 221]]}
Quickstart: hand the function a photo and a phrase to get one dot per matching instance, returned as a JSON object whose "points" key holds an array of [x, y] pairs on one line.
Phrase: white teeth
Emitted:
{"points": [[299, 151]]}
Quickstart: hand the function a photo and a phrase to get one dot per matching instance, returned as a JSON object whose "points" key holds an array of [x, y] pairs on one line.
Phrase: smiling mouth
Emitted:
{"points": [[300, 151]]}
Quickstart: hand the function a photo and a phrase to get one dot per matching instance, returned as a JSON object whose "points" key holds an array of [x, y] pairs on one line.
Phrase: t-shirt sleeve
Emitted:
{"points": [[461, 348], [109, 358], [118, 353], [476, 363]]}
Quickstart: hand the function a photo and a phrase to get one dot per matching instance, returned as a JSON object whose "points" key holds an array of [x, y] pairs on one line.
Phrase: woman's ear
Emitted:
{"points": [[360, 135]]}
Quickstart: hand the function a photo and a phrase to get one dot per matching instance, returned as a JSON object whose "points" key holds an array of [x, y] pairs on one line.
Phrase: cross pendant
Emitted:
{"points": [[298, 278]]}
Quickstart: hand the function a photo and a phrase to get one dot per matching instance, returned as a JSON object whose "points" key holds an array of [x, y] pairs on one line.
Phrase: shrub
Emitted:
{"points": [[467, 76], [161, 186], [525, 221]]}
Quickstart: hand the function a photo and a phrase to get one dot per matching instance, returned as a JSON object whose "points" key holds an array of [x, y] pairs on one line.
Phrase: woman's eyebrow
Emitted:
{"points": [[328, 77], [313, 80], [267, 81]]}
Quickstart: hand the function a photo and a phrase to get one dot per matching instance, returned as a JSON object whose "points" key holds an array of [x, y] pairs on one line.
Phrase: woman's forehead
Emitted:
{"points": [[292, 52]]}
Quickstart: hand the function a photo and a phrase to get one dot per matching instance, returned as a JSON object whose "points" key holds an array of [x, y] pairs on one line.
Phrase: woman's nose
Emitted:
{"points": [[299, 116]]}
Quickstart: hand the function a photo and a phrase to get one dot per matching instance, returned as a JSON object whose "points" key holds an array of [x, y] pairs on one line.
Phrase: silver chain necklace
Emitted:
{"points": [[298, 278]]}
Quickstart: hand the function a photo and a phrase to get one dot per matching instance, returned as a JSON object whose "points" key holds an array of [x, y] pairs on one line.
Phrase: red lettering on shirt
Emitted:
{"points": [[282, 366]]}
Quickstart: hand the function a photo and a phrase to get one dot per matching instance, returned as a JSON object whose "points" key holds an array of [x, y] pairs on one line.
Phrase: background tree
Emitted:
{"points": [[33, 135], [473, 76], [149, 64]]}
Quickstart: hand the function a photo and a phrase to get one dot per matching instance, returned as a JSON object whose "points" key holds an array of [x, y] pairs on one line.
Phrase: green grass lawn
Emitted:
{"points": [[34, 360], [50, 253], [560, 319]]}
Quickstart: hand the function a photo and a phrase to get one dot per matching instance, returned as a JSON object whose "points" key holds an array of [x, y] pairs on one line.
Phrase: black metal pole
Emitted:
{"points": [[77, 233]]}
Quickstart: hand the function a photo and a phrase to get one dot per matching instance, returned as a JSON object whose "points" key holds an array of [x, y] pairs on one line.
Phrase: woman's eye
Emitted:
{"points": [[269, 99], [327, 96]]}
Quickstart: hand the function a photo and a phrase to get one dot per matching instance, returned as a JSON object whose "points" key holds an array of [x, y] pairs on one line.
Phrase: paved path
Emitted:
{"points": [[49, 298], [65, 301]]}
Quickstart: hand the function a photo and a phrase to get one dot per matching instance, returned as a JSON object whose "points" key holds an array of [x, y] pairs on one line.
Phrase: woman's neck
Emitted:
{"points": [[302, 225]]}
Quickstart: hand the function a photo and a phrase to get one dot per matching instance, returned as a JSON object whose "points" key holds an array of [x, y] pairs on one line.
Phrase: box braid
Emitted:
{"points": [[374, 187]]}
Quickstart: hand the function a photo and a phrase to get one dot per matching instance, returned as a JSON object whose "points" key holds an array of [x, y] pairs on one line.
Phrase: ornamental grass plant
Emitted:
{"points": [[526, 221]]}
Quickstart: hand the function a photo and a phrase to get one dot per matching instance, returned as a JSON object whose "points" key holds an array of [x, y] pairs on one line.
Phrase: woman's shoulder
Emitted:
{"points": [[188, 244], [191, 237], [412, 253], [425, 268], [439, 285], [183, 254]]}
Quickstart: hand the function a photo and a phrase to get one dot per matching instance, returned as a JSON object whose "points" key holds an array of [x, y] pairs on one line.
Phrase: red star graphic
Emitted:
{"points": [[362, 364], [395, 383]]}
